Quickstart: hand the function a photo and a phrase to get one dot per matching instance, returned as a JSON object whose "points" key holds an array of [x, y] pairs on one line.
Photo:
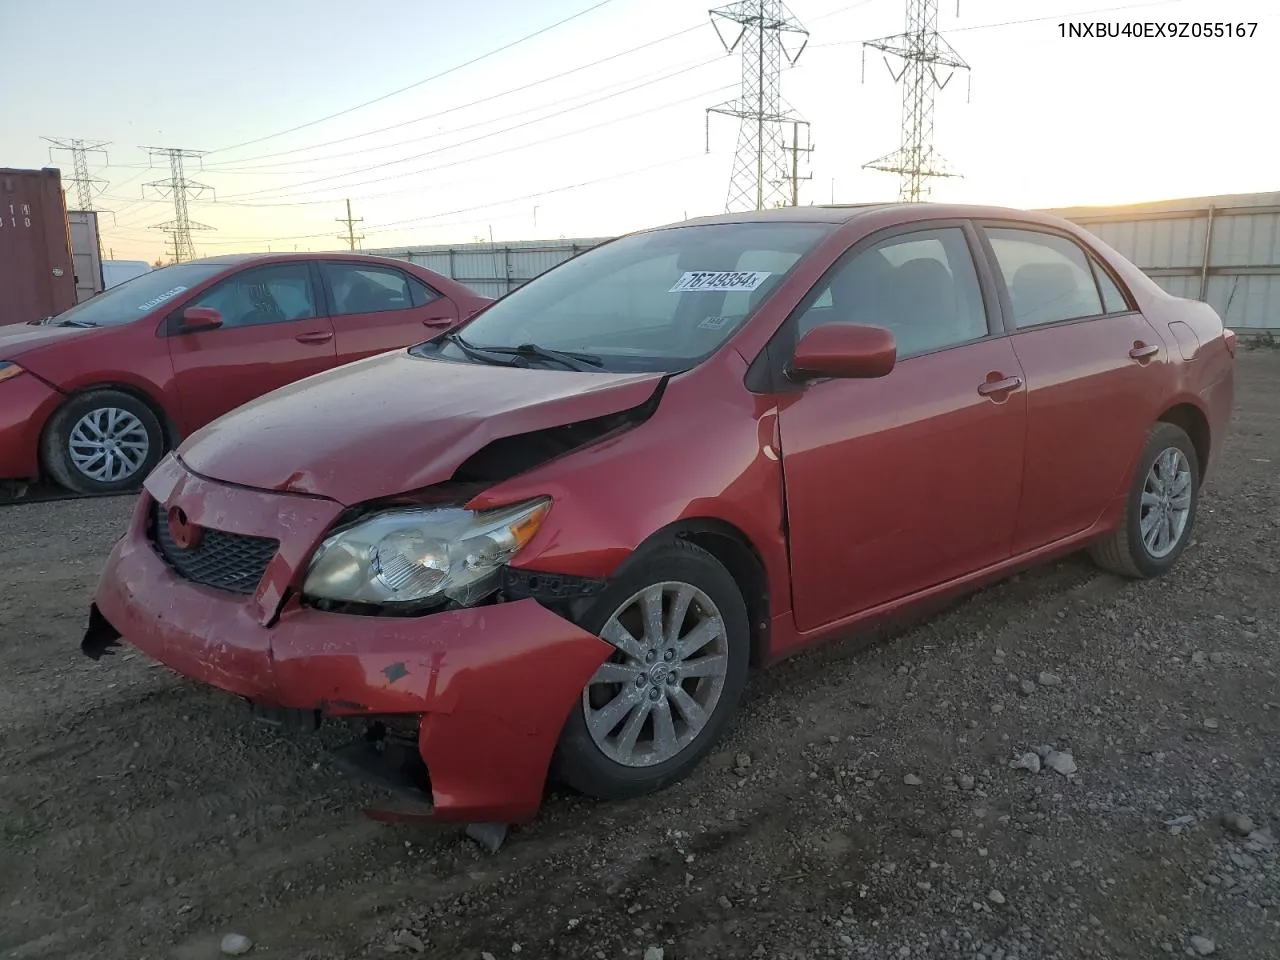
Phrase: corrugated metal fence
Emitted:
{"points": [[1225, 250], [493, 269]]}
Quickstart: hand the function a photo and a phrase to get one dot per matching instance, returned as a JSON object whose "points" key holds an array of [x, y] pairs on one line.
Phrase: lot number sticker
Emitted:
{"points": [[156, 301], [700, 280]]}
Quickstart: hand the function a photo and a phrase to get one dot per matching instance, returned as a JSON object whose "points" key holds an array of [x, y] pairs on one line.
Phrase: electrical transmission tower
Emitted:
{"points": [[761, 176], [350, 235], [80, 150], [180, 189], [923, 52]]}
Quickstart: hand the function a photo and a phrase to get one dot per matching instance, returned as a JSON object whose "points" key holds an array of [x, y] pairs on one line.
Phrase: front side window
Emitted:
{"points": [[1048, 277], [360, 288], [921, 285], [653, 301], [274, 294]]}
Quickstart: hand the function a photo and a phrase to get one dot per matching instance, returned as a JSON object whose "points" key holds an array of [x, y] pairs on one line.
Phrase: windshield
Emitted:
{"points": [[653, 301], [137, 297]]}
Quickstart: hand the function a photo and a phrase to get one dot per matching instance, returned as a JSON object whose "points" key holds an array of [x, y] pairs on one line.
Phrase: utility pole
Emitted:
{"points": [[350, 235], [922, 50], [180, 189], [795, 150], [759, 172], [80, 150]]}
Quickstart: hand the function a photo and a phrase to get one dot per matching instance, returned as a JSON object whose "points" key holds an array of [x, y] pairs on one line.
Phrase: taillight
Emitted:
{"points": [[1229, 338]]}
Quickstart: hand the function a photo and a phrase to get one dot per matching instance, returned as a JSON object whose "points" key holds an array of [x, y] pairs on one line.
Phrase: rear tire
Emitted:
{"points": [[1160, 509], [103, 441], [652, 683]]}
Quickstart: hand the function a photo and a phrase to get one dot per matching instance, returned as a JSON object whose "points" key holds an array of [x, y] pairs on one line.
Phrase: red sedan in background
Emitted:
{"points": [[94, 397], [556, 537]]}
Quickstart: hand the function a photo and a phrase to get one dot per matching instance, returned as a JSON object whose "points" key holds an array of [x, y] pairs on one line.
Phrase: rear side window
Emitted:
{"points": [[371, 288], [1112, 299], [1048, 277]]}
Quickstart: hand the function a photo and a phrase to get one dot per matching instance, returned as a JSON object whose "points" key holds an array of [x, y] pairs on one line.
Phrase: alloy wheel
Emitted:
{"points": [[656, 694]]}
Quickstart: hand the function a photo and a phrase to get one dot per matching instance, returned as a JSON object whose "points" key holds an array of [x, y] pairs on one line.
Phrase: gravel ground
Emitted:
{"points": [[875, 799]]}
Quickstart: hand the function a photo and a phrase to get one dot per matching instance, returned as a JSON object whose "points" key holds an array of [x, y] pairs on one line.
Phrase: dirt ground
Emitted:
{"points": [[864, 804]]}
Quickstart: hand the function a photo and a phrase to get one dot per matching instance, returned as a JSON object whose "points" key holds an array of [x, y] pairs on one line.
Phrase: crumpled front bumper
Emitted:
{"points": [[493, 685]]}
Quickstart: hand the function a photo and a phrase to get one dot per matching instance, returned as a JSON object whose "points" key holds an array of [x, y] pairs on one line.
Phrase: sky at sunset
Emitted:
{"points": [[274, 92]]}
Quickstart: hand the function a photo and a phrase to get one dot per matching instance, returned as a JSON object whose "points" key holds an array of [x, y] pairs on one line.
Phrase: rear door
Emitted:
{"points": [[376, 308], [272, 334], [1094, 374], [896, 484]]}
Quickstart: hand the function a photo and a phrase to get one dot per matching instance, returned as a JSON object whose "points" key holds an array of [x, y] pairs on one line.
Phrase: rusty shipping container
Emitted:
{"points": [[37, 277]]}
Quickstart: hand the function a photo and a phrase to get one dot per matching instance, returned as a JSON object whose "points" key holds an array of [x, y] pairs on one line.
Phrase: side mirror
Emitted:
{"points": [[844, 350], [196, 319]]}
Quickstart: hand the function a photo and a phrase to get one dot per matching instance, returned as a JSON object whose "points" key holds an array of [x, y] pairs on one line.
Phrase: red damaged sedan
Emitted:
{"points": [[92, 398], [555, 539]]}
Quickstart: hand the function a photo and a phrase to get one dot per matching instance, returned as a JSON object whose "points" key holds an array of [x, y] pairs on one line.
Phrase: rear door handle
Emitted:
{"points": [[1141, 351], [995, 388], [437, 321], [316, 336]]}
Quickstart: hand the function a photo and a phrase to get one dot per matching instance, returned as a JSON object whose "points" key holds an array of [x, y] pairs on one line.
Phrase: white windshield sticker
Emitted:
{"points": [[714, 323], [700, 280], [156, 301]]}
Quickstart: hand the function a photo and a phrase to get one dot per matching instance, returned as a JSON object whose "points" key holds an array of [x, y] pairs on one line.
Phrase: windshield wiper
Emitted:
{"points": [[474, 353], [77, 323], [571, 359]]}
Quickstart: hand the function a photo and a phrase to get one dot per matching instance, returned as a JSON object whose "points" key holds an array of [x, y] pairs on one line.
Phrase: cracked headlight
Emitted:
{"points": [[408, 555]]}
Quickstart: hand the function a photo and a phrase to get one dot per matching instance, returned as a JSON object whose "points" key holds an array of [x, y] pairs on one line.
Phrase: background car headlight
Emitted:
{"points": [[408, 555], [9, 369]]}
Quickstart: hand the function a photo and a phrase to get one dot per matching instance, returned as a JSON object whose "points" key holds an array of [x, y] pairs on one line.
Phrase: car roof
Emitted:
{"points": [[232, 259], [886, 213]]}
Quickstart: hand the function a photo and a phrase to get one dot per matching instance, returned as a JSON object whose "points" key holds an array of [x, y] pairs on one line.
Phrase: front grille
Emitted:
{"points": [[226, 561]]}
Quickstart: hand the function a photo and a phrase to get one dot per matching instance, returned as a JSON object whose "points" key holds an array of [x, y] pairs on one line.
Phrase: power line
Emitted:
{"points": [[462, 106], [495, 153], [701, 25], [397, 224], [1016, 23], [417, 83], [647, 80]]}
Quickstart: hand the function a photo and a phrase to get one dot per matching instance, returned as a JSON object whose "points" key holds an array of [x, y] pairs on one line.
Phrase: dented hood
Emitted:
{"points": [[395, 423]]}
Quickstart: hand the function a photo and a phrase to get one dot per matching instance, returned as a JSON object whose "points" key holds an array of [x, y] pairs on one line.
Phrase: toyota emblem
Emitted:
{"points": [[186, 535]]}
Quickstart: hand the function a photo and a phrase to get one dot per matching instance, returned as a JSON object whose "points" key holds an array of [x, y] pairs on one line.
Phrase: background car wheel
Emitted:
{"points": [[104, 441], [660, 703], [1160, 510]]}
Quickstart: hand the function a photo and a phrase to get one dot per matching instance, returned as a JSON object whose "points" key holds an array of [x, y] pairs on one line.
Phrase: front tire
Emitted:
{"points": [[104, 441], [658, 705], [1160, 510]]}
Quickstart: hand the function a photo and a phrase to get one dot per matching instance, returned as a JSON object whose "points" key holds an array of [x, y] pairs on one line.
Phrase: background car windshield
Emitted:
{"points": [[653, 301], [137, 297]]}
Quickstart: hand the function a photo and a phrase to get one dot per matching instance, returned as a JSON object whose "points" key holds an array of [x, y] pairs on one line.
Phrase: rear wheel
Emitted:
{"points": [[1160, 511], [104, 441], [657, 706]]}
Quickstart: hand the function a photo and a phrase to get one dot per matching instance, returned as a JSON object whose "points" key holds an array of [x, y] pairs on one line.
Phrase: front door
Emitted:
{"points": [[376, 308], [271, 335], [900, 483], [1092, 364]]}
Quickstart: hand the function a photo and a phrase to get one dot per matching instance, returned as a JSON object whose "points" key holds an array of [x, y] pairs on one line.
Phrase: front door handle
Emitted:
{"points": [[998, 388], [316, 336], [1142, 351]]}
